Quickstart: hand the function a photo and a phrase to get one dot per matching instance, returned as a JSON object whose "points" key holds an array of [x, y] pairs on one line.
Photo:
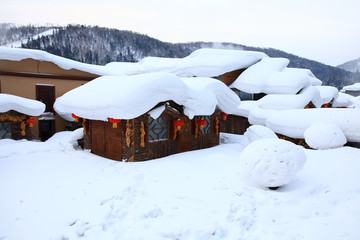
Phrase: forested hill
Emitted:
{"points": [[97, 45]]}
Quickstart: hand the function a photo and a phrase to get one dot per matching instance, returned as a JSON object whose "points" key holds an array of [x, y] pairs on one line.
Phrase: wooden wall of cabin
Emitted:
{"points": [[132, 140], [234, 124], [13, 125]]}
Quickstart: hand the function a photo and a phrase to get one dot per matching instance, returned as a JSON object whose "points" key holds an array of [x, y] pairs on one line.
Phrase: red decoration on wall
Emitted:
{"points": [[76, 117], [202, 122], [114, 122], [224, 115], [30, 121], [178, 124]]}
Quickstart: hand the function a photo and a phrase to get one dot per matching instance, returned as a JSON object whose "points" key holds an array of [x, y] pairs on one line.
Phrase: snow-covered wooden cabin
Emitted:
{"points": [[223, 64], [41, 76], [147, 116], [17, 116]]}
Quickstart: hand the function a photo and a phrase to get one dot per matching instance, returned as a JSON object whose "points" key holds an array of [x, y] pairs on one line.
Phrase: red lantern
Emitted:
{"points": [[114, 122], [76, 117], [224, 115], [178, 124], [30, 121], [202, 122]]}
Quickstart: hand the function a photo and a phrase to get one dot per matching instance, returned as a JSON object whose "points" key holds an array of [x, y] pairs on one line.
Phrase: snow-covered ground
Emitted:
{"points": [[52, 190]]}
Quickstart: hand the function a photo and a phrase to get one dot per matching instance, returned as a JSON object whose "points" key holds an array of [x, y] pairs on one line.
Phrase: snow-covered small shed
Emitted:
{"points": [[16, 116], [148, 116]]}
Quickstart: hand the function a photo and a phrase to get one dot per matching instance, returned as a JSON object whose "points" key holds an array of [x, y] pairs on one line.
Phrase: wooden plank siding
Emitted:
{"points": [[125, 142], [234, 124]]}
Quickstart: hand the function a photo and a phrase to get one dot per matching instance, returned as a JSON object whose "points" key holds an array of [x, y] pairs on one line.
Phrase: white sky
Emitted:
{"points": [[322, 30]]}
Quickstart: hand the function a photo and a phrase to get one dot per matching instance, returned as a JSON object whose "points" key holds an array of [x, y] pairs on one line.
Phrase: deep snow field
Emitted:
{"points": [[52, 190]]}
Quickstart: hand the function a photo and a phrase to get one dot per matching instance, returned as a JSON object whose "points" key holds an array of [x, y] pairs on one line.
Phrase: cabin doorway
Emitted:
{"points": [[185, 136], [46, 95], [46, 129]]}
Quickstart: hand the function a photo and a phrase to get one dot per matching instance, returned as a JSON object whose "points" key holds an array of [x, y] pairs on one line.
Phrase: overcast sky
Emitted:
{"points": [[323, 30]]}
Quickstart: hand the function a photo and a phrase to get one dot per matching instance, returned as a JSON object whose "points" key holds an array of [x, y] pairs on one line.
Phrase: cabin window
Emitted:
{"points": [[207, 127], [158, 129], [5, 130]]}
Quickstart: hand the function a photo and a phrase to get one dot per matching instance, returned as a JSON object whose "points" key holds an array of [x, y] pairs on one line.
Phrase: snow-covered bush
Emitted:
{"points": [[324, 135], [257, 132], [272, 162]]}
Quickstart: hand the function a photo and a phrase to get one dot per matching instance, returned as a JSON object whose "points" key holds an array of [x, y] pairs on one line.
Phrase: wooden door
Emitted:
{"points": [[113, 142], [184, 136], [46, 95], [98, 138], [46, 129]]}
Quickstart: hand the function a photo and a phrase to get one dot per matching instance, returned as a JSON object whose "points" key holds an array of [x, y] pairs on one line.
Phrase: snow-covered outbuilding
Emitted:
{"points": [[41, 76], [16, 116], [353, 90], [148, 116]]}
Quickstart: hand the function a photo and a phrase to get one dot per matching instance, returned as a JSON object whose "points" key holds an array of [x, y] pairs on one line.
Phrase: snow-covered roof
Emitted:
{"points": [[271, 76], [21, 105], [293, 123], [200, 63], [291, 101], [327, 93], [353, 87], [342, 100], [128, 97], [18, 54]]}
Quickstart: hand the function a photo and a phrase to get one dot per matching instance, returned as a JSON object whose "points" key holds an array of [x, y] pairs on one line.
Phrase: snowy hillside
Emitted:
{"points": [[351, 66], [96, 45], [52, 190]]}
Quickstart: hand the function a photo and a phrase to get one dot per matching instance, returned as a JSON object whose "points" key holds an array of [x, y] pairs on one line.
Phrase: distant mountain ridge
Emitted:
{"points": [[97, 45], [351, 66]]}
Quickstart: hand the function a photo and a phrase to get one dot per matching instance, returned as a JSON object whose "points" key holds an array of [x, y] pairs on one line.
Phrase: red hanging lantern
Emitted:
{"points": [[30, 121], [224, 115], [178, 124], [76, 117], [114, 122], [202, 122]]}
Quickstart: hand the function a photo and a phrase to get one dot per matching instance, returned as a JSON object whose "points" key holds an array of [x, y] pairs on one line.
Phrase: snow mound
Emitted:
{"points": [[22, 105], [324, 135], [272, 162], [258, 132]]}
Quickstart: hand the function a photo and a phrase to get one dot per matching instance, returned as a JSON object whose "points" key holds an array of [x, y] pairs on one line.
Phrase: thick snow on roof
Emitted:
{"points": [[353, 87], [271, 76], [200, 63], [293, 123], [314, 80], [342, 100], [327, 93], [18, 54], [291, 101], [227, 100], [131, 96], [21, 105]]}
